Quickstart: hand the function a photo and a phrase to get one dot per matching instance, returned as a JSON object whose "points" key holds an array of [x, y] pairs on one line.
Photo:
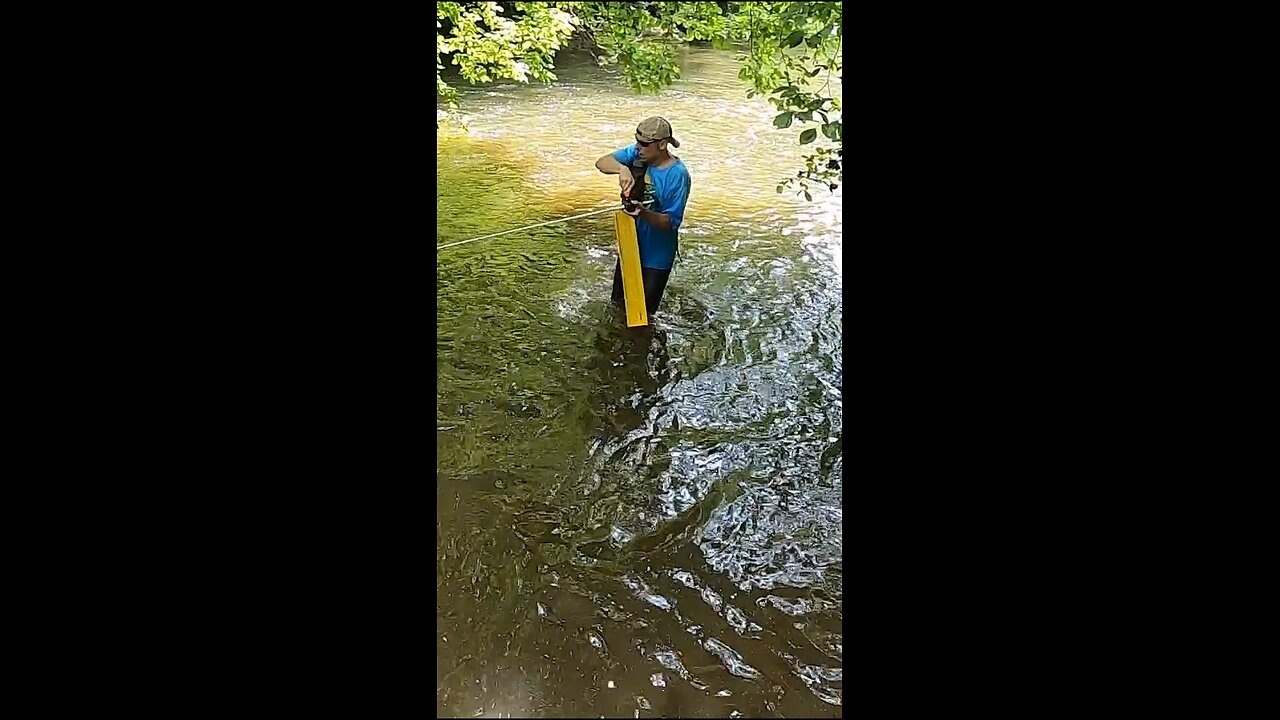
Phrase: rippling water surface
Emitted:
{"points": [[634, 523]]}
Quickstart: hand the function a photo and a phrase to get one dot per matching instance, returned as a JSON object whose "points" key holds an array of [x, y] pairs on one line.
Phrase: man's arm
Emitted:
{"points": [[608, 165], [656, 219], [673, 196]]}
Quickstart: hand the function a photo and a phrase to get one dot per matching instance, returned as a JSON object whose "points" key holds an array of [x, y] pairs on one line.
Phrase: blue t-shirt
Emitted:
{"points": [[669, 188]]}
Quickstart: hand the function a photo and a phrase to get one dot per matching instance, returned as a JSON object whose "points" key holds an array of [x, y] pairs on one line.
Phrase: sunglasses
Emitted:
{"points": [[642, 143]]}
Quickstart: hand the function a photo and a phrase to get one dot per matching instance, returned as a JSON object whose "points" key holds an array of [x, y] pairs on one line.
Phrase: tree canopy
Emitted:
{"points": [[785, 48]]}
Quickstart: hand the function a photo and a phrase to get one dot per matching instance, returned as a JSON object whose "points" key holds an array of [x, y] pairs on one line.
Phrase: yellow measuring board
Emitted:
{"points": [[632, 281]]}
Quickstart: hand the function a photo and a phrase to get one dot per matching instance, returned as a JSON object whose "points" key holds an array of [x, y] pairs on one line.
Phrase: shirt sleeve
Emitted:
{"points": [[674, 196], [626, 155]]}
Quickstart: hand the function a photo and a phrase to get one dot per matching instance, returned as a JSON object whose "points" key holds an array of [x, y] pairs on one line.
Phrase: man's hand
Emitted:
{"points": [[626, 181], [634, 214]]}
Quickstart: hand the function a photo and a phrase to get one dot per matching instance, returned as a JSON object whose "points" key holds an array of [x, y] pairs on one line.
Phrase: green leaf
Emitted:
{"points": [[782, 121], [806, 116], [808, 136], [779, 188], [831, 131], [807, 196], [794, 39]]}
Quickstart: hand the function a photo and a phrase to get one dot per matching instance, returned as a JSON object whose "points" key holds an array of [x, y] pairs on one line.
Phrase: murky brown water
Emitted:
{"points": [[635, 524]]}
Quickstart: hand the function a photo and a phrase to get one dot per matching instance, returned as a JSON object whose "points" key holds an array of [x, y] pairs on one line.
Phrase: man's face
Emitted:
{"points": [[649, 152]]}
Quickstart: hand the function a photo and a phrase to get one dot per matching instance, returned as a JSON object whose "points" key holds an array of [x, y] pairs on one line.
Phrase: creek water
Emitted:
{"points": [[635, 523]]}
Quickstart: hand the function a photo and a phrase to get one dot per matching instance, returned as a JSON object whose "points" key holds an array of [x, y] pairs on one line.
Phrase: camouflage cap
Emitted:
{"points": [[656, 128]]}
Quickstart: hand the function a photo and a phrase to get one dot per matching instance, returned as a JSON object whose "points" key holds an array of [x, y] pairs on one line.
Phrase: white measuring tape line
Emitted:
{"points": [[529, 227]]}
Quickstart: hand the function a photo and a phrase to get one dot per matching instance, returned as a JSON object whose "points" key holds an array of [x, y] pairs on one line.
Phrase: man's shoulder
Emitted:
{"points": [[675, 169]]}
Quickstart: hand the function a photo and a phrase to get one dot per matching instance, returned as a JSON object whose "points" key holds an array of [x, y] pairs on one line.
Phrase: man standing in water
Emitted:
{"points": [[647, 171]]}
